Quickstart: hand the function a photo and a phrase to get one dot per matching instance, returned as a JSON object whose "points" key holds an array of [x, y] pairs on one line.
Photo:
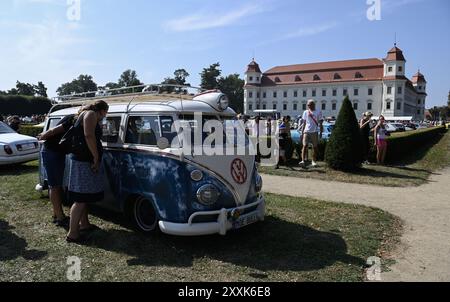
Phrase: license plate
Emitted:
{"points": [[244, 221], [26, 147]]}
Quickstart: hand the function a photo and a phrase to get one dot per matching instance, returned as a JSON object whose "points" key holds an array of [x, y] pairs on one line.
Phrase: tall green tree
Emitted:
{"points": [[129, 78], [181, 76], [344, 149], [209, 77], [25, 89], [83, 83], [40, 89], [233, 87]]}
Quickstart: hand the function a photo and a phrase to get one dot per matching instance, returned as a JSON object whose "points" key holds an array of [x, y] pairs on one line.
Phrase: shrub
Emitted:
{"points": [[24, 105], [344, 150], [30, 130]]}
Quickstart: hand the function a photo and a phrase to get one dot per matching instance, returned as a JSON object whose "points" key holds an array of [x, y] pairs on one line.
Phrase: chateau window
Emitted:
{"points": [[400, 90], [298, 79], [324, 92], [418, 102], [284, 107], [264, 106], [277, 80], [358, 75], [337, 76], [250, 106], [305, 93], [388, 106], [400, 69], [324, 106], [356, 91], [258, 95], [369, 106], [295, 107], [334, 106], [314, 93], [250, 95], [274, 107], [418, 111], [399, 106], [250, 79], [345, 92], [304, 107], [285, 94], [355, 106], [334, 92], [264, 95], [275, 94], [370, 92], [316, 77], [258, 107], [390, 69], [257, 79], [389, 90], [295, 93]]}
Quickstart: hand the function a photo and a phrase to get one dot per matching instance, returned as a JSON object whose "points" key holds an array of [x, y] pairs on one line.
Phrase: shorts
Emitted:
{"points": [[381, 143], [311, 138], [54, 164]]}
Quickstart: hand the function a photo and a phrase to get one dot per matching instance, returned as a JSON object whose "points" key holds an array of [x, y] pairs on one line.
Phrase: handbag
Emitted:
{"points": [[73, 141]]}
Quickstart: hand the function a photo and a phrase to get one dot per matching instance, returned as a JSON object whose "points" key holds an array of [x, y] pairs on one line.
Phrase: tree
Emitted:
{"points": [[180, 77], [233, 87], [129, 78], [25, 89], [83, 83], [40, 89], [209, 76], [168, 81], [344, 149]]}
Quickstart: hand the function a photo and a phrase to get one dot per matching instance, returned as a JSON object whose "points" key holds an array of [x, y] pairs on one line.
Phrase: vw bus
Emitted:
{"points": [[155, 184]]}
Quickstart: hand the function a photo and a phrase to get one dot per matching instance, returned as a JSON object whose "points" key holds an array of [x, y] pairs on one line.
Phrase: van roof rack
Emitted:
{"points": [[132, 94]]}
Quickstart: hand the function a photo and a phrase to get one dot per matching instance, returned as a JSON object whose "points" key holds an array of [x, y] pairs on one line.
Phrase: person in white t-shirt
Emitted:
{"points": [[312, 125]]}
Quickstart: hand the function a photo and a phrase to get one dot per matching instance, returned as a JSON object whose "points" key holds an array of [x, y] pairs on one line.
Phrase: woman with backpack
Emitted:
{"points": [[86, 171], [54, 163]]}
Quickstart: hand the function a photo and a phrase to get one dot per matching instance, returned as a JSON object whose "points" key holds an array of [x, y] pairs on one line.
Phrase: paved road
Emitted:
{"points": [[424, 251]]}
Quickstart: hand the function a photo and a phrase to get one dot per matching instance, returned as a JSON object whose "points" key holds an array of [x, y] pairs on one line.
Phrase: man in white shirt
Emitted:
{"points": [[312, 124]]}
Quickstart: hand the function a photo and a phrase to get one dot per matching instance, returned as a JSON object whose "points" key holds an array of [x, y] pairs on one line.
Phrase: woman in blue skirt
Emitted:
{"points": [[86, 174]]}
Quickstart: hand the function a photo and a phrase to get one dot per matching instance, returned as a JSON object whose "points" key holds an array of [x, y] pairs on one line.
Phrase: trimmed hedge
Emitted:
{"points": [[24, 105], [30, 130]]}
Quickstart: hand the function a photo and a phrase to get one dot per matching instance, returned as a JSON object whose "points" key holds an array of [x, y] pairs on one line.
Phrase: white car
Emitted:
{"points": [[16, 148]]}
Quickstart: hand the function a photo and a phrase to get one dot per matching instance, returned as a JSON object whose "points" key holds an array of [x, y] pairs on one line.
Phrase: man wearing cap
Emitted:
{"points": [[364, 125], [312, 124]]}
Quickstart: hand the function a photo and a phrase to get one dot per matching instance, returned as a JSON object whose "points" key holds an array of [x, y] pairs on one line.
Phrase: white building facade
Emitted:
{"points": [[375, 85]]}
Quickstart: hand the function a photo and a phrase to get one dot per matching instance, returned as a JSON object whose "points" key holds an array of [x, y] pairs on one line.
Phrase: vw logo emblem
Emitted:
{"points": [[239, 171]]}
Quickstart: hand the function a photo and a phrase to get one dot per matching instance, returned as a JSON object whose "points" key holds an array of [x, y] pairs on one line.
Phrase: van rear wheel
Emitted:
{"points": [[144, 215]]}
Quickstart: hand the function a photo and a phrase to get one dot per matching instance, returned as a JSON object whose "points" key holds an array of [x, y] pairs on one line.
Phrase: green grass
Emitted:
{"points": [[414, 170], [301, 240]]}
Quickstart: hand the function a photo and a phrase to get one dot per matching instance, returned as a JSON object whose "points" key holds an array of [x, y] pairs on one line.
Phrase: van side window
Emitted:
{"points": [[53, 122], [111, 129]]}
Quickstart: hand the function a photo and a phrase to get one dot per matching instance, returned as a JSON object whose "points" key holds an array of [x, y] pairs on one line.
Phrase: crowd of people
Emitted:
{"points": [[15, 121], [310, 126]]}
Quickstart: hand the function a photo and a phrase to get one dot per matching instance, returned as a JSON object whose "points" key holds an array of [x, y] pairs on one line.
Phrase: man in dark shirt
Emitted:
{"points": [[54, 161]]}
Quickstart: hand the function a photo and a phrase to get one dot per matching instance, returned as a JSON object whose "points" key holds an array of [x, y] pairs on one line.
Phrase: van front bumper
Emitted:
{"points": [[223, 224]]}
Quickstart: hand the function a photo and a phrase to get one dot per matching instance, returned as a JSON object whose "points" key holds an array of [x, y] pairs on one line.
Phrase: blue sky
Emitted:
{"points": [[155, 37]]}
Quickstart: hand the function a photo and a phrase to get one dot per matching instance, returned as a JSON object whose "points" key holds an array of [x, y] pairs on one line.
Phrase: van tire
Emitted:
{"points": [[143, 215]]}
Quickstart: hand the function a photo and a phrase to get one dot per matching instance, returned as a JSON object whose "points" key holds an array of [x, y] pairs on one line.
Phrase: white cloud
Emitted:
{"points": [[208, 20], [310, 31]]}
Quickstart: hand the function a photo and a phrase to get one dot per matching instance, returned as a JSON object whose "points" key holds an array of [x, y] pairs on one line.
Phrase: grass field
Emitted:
{"points": [[301, 240], [412, 171]]}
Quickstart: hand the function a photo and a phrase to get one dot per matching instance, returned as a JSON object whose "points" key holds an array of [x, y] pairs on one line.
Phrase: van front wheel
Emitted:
{"points": [[144, 215]]}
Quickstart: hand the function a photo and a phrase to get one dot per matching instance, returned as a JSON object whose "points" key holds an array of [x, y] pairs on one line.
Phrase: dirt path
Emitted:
{"points": [[424, 252]]}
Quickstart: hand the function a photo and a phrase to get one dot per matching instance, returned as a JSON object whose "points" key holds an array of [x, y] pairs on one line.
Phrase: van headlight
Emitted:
{"points": [[259, 183], [208, 195]]}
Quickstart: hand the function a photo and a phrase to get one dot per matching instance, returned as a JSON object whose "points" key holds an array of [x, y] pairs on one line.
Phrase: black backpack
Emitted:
{"points": [[73, 141]]}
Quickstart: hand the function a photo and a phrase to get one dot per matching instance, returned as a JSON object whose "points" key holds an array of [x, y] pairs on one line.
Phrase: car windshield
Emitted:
{"points": [[4, 129]]}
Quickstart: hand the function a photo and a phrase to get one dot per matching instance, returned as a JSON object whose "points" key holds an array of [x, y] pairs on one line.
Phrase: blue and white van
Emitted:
{"points": [[156, 185]]}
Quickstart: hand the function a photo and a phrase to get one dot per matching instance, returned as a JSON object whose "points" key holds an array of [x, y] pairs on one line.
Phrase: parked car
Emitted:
{"points": [[327, 130], [394, 127], [16, 148]]}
